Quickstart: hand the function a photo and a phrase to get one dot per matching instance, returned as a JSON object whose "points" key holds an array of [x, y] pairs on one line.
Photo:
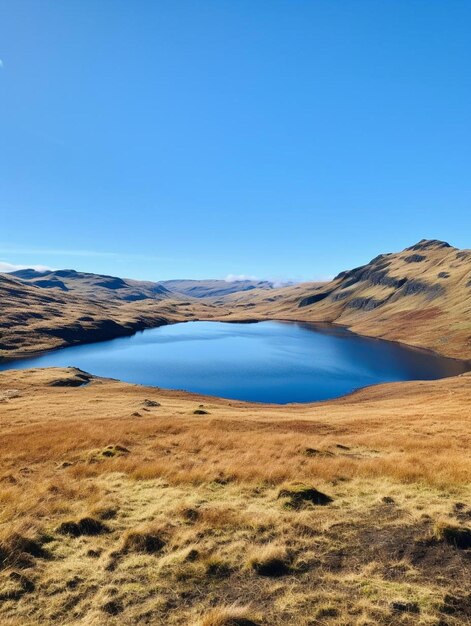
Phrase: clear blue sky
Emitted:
{"points": [[200, 138]]}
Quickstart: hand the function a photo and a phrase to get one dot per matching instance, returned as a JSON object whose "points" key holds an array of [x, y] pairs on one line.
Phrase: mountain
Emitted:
{"points": [[95, 286], [420, 296], [214, 288], [101, 286]]}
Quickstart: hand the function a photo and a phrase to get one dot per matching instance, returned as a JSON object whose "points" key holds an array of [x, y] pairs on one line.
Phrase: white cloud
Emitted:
{"points": [[236, 278], [12, 267]]}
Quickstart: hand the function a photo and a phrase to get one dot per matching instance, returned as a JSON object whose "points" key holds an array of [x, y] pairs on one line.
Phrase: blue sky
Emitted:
{"points": [[288, 139]]}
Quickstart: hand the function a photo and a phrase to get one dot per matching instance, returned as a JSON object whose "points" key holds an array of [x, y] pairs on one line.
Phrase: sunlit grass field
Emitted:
{"points": [[127, 505]]}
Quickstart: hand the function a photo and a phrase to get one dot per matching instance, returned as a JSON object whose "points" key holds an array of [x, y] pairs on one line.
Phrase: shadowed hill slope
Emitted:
{"points": [[420, 296]]}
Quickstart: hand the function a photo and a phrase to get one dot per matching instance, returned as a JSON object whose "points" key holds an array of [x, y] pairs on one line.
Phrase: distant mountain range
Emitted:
{"points": [[103, 286], [420, 296]]}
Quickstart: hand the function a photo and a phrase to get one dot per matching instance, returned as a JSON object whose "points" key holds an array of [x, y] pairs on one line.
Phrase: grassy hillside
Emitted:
{"points": [[420, 296], [128, 505], [93, 286], [34, 319], [125, 505]]}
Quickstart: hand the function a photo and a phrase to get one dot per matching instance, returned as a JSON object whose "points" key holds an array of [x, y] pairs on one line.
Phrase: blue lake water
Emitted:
{"points": [[276, 362]]}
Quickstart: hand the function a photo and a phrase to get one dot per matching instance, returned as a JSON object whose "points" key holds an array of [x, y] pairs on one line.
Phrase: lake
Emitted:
{"points": [[275, 362]]}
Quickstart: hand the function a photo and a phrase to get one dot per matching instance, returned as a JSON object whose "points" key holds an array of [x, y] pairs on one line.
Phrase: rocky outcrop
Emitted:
{"points": [[429, 244], [414, 258], [316, 297], [364, 304]]}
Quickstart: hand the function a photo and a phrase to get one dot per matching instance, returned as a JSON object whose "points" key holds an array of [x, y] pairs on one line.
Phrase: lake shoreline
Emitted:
{"points": [[138, 328], [313, 361]]}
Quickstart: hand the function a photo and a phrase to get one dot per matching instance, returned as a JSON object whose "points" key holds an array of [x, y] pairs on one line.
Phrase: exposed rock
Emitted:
{"points": [[365, 304], [426, 244], [316, 297], [151, 403], [415, 258], [418, 287]]}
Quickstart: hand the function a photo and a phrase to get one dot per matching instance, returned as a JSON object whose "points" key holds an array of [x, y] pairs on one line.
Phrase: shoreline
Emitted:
{"points": [[37, 353], [315, 326]]}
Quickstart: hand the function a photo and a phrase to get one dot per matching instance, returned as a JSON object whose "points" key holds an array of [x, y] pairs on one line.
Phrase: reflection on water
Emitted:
{"points": [[266, 362]]}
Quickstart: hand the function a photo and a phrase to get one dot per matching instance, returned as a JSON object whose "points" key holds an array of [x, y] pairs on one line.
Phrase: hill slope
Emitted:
{"points": [[420, 296], [93, 286], [35, 319]]}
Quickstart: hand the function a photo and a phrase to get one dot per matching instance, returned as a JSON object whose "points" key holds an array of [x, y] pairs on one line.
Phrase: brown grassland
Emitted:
{"points": [[126, 505]]}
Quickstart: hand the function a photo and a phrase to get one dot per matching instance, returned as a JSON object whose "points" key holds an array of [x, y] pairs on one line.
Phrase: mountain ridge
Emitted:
{"points": [[128, 289], [419, 299]]}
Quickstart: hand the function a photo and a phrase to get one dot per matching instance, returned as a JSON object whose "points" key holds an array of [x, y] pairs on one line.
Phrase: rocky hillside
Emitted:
{"points": [[421, 296]]}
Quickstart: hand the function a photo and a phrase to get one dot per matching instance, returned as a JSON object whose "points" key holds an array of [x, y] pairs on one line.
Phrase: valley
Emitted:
{"points": [[124, 504]]}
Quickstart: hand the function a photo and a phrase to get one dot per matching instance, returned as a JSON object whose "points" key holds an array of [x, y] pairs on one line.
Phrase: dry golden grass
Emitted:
{"points": [[229, 616], [192, 508]]}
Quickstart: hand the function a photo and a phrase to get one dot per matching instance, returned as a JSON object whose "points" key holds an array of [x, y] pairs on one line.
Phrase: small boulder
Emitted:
{"points": [[151, 403]]}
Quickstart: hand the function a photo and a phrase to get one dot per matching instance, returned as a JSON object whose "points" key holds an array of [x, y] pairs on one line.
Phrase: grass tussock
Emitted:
{"points": [[270, 560], [297, 496], [229, 616], [454, 534], [17, 550], [149, 539], [85, 526]]}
